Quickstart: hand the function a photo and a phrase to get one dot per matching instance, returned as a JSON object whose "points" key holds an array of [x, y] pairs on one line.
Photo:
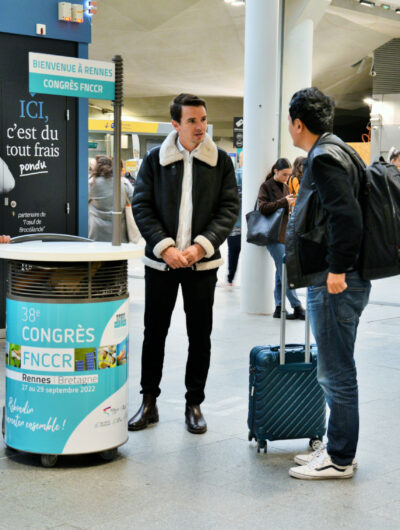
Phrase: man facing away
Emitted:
{"points": [[185, 205], [322, 247]]}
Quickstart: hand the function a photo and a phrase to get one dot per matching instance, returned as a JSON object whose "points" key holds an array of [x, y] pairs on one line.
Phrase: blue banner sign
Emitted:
{"points": [[70, 76]]}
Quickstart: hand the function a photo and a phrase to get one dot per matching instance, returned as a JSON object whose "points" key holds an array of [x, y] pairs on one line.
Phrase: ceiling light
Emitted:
{"points": [[366, 3], [385, 6]]}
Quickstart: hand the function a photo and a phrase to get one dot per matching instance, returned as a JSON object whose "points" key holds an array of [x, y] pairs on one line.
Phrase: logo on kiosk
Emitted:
{"points": [[47, 360]]}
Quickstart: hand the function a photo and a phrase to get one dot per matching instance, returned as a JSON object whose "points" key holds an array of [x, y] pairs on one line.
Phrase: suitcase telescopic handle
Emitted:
{"points": [[307, 356]]}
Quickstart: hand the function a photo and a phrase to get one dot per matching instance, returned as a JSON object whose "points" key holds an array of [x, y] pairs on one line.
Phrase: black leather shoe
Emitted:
{"points": [[298, 314], [147, 413], [277, 312], [195, 421]]}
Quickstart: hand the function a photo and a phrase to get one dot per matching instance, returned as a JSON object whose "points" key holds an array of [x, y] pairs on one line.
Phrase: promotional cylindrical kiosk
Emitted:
{"points": [[67, 347]]}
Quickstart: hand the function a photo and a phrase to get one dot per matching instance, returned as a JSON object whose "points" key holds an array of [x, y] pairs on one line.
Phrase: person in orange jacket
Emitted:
{"points": [[297, 174]]}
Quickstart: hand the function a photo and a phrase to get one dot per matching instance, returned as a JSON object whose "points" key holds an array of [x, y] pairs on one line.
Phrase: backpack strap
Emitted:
{"points": [[355, 158], [334, 140]]}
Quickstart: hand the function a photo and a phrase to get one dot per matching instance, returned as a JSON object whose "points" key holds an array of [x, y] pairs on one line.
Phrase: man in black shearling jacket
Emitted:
{"points": [[185, 205], [323, 242]]}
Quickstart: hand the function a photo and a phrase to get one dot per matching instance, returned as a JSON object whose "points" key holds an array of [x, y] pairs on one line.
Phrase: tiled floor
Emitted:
{"points": [[167, 478]]}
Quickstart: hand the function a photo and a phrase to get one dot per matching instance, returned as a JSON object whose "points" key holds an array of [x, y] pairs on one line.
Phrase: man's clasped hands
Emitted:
{"points": [[178, 259]]}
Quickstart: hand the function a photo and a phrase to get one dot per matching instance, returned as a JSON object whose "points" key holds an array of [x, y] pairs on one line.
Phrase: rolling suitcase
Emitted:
{"points": [[285, 398]]}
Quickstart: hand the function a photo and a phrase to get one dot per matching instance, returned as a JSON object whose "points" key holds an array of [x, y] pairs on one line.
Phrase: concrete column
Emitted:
{"points": [[261, 128], [301, 17], [297, 74]]}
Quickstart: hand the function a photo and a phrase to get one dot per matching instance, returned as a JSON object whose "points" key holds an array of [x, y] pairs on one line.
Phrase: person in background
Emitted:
{"points": [[185, 205], [234, 239], [101, 201], [394, 156], [274, 194], [295, 178], [4, 239]]}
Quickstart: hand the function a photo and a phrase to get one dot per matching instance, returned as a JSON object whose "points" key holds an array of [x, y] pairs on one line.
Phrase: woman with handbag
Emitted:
{"points": [[273, 195], [101, 198]]}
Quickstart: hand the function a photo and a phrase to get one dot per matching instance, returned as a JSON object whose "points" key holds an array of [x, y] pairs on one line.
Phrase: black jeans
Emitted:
{"points": [[161, 290], [234, 245]]}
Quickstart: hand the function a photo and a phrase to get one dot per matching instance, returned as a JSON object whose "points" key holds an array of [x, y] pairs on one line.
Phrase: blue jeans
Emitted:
{"points": [[277, 251], [334, 320]]}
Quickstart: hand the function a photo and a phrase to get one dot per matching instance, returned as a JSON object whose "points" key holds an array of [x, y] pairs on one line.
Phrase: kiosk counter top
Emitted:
{"points": [[70, 251]]}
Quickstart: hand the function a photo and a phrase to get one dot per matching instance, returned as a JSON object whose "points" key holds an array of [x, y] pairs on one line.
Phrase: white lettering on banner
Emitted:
{"points": [[85, 87], [61, 84], [58, 335], [47, 360], [15, 407]]}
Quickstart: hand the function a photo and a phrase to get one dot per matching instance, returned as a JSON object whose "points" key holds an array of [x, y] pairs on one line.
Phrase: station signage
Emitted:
{"points": [[126, 126], [238, 132], [70, 76]]}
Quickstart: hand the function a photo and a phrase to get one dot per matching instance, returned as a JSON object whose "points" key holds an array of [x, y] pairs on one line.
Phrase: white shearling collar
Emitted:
{"points": [[206, 151]]}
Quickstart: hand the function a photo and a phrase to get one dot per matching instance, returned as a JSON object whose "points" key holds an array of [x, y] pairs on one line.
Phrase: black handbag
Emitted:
{"points": [[262, 230]]}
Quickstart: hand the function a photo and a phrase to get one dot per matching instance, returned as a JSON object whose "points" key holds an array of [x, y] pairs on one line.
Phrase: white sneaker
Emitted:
{"points": [[321, 468], [305, 459]]}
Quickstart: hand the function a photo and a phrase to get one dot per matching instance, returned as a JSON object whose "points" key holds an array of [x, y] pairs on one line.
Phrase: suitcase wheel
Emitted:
{"points": [[259, 447], [315, 443]]}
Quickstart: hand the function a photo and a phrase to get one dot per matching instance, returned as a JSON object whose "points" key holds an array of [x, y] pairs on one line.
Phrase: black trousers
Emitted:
{"points": [[234, 245], [161, 290]]}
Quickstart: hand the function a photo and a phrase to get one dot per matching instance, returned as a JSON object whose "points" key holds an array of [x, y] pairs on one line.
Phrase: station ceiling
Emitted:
{"points": [[172, 46]]}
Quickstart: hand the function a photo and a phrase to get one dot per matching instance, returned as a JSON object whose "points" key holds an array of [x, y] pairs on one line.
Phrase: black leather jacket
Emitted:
{"points": [[157, 197], [324, 232]]}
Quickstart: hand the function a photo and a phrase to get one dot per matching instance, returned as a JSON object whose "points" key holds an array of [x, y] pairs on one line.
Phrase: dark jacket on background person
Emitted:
{"points": [[324, 233], [271, 197], [157, 198]]}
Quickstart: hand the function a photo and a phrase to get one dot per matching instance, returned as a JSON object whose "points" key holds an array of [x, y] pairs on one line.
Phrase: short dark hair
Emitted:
{"points": [[314, 109], [187, 100]]}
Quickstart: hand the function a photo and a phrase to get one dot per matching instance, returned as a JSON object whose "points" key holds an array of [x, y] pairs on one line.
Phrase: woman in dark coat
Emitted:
{"points": [[274, 194]]}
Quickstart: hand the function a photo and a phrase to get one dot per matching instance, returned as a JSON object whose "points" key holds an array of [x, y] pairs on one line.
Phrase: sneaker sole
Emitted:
{"points": [[293, 474], [301, 462]]}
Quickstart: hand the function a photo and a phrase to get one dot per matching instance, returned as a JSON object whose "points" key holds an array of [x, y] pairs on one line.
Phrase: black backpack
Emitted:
{"points": [[380, 202]]}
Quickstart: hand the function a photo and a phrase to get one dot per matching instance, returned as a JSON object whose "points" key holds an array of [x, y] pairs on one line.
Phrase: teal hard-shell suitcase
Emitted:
{"points": [[285, 398]]}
